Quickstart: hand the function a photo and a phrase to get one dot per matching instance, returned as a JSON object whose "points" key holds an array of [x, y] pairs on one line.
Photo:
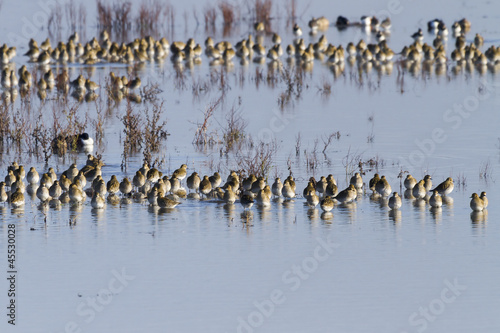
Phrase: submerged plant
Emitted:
{"points": [[258, 159], [485, 170], [234, 132], [203, 136], [154, 132]]}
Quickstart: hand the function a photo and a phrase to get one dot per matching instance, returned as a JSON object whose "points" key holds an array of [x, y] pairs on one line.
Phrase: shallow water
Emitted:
{"points": [[206, 267]]}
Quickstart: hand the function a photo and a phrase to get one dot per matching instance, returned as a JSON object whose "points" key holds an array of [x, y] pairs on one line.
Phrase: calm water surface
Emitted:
{"points": [[204, 267]]}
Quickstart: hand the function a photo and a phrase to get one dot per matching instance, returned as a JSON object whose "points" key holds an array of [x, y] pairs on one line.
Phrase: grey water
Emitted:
{"points": [[206, 267]]}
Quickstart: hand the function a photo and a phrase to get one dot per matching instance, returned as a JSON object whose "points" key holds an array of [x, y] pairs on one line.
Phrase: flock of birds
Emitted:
{"points": [[74, 52], [166, 192], [253, 48]]}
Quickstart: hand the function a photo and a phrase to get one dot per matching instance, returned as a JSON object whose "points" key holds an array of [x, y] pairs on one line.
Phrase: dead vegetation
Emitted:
{"points": [[258, 158], [371, 136], [116, 16], [143, 130], [298, 142], [485, 171], [203, 135], [65, 133], [76, 17], [4, 125], [262, 11], [35, 133], [149, 18], [154, 131], [210, 16], [234, 132], [132, 129], [293, 79], [371, 164], [326, 88], [327, 140], [401, 177], [351, 162], [311, 157], [291, 10], [149, 15], [150, 92], [229, 16], [98, 121], [217, 80], [462, 181], [43, 139]]}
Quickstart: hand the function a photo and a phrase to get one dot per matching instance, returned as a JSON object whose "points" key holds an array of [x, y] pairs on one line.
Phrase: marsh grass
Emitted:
{"points": [[400, 79], [76, 17], [485, 171], [116, 16], [195, 15], [219, 79], [258, 158], [262, 11], [150, 92], [462, 181], [42, 139], [122, 20], [229, 16], [132, 129], [293, 79], [154, 132], [351, 162], [203, 136], [371, 164], [325, 89], [401, 176], [99, 120], [74, 123], [298, 142], [104, 15], [311, 157], [327, 140], [291, 11], [200, 88], [38, 133], [4, 125], [234, 132], [283, 101], [66, 126], [148, 19], [169, 15], [180, 78], [370, 138], [210, 16], [311, 160], [20, 126]]}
